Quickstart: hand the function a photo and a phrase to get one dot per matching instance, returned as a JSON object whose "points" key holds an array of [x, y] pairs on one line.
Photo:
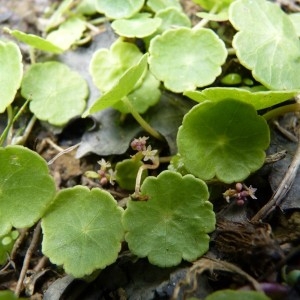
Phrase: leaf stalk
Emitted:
{"points": [[144, 124]]}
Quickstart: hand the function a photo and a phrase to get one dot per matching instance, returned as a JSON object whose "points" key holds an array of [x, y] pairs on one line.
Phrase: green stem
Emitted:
{"points": [[8, 126], [32, 55], [203, 22], [144, 124], [98, 21], [22, 139], [11, 120], [16, 117], [165, 159], [231, 51], [276, 112]]}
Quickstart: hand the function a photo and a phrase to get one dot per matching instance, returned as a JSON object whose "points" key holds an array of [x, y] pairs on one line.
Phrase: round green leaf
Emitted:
{"points": [[82, 230], [58, 93], [259, 100], [26, 188], [225, 139], [173, 223], [267, 43], [11, 73], [118, 9], [171, 17], [237, 295], [108, 65], [140, 25], [199, 55]]}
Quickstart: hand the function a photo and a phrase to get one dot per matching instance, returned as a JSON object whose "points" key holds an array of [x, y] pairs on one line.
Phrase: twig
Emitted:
{"points": [[285, 132], [62, 151], [18, 242], [27, 258], [20, 140], [41, 264], [282, 189], [211, 264]]}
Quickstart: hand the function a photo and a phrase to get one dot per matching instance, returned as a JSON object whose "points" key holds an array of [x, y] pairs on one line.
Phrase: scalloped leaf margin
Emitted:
{"points": [[173, 223], [259, 100], [26, 188], [82, 230], [199, 55], [266, 43], [57, 92], [224, 139], [11, 73]]}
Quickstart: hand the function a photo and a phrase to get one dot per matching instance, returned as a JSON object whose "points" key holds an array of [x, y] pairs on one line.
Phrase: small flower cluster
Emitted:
{"points": [[106, 174], [240, 194], [140, 145]]}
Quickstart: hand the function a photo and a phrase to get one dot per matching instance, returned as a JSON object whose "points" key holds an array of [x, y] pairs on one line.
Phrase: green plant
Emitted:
{"points": [[223, 137]]}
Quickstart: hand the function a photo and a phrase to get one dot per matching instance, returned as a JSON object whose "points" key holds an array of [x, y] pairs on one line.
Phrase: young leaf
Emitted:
{"points": [[108, 66], [58, 93], [35, 41], [126, 173], [118, 9], [82, 230], [259, 100], [125, 85], [26, 188], [173, 223], [11, 73], [199, 55], [237, 295], [225, 139], [68, 33], [140, 25], [267, 43]]}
